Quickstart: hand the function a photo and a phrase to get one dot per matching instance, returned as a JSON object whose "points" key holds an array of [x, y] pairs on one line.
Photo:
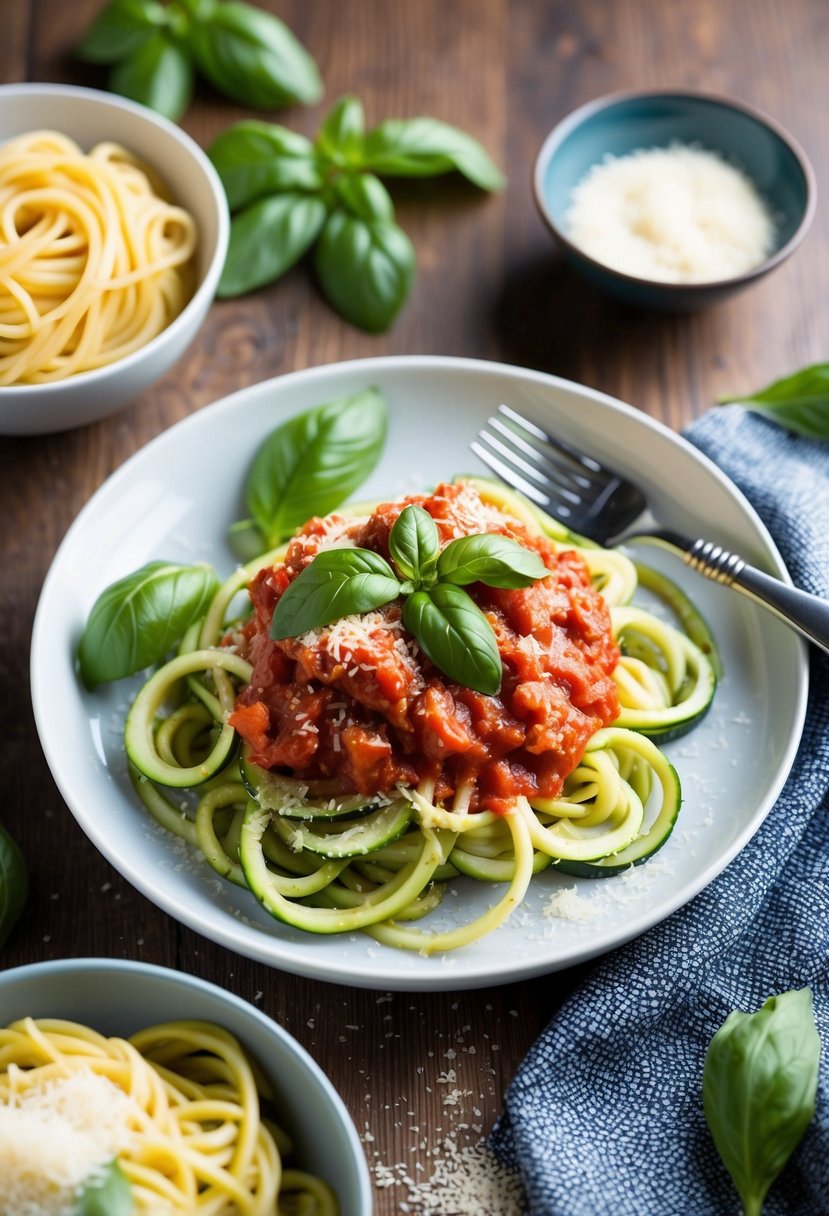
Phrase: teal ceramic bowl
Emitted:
{"points": [[625, 122]]}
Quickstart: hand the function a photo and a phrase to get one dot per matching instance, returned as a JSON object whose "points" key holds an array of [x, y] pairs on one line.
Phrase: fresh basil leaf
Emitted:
{"points": [[758, 1089], [258, 158], [252, 56], [312, 462], [414, 543], [799, 402], [14, 884], [108, 1194], [120, 29], [365, 196], [337, 583], [158, 74], [268, 238], [495, 560], [139, 618], [340, 138], [452, 631], [365, 269], [425, 147]]}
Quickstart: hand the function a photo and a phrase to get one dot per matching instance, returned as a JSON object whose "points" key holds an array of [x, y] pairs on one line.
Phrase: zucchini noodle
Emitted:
{"points": [[94, 262], [320, 857], [180, 1103]]}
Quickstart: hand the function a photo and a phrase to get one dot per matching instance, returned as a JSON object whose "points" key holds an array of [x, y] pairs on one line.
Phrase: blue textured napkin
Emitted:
{"points": [[604, 1116]]}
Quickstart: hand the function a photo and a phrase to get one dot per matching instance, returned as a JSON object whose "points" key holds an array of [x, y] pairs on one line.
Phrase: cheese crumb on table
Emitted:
{"points": [[680, 214]]}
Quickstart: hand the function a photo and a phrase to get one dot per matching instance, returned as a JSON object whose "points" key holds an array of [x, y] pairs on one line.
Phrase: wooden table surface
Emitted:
{"points": [[490, 285]]}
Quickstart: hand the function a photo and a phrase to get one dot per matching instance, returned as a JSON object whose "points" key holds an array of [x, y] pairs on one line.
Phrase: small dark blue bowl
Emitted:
{"points": [[625, 122]]}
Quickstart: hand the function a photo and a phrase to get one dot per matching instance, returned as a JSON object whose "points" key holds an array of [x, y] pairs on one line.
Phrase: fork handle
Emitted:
{"points": [[808, 614]]}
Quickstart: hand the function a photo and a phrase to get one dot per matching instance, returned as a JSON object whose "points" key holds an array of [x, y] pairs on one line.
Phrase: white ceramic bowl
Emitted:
{"points": [[117, 997], [88, 116]]}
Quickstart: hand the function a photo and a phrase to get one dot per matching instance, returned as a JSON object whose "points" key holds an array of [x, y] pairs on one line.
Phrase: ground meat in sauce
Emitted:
{"points": [[357, 701]]}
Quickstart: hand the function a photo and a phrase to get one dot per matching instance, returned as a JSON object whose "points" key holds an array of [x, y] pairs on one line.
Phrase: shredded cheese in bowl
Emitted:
{"points": [[679, 214]]}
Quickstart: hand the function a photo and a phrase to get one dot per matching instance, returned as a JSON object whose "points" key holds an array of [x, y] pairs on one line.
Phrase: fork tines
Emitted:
{"points": [[547, 470]]}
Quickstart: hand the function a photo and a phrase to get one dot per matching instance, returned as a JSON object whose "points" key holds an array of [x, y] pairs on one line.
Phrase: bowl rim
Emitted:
{"points": [[576, 117], [150, 971], [206, 289]]}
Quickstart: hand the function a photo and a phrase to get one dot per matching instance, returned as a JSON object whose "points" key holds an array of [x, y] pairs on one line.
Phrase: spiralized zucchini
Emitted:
{"points": [[329, 862]]}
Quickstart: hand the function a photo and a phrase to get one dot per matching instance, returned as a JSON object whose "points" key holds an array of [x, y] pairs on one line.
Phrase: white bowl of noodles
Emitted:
{"points": [[119, 999], [108, 264]]}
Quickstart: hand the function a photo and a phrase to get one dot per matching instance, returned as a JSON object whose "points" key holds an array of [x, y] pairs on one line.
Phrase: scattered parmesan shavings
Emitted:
{"points": [[567, 904], [466, 1181]]}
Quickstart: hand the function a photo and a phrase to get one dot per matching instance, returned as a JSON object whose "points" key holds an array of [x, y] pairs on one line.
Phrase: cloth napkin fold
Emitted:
{"points": [[604, 1117]]}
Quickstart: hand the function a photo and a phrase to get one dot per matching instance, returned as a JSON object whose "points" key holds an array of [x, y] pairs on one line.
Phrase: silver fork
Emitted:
{"points": [[589, 498]]}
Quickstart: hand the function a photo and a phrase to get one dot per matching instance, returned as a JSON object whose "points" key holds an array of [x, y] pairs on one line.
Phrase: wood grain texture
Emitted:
{"points": [[489, 284]]}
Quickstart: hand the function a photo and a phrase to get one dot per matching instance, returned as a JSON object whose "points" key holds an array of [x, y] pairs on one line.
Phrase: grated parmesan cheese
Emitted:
{"points": [[680, 214], [56, 1138], [567, 904]]}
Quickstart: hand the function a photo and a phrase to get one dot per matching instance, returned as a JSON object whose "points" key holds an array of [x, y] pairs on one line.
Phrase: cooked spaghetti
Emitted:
{"points": [[369, 781], [176, 1106], [94, 261]]}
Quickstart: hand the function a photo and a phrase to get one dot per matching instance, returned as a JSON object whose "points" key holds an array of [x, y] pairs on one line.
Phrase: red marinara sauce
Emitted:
{"points": [[359, 702]]}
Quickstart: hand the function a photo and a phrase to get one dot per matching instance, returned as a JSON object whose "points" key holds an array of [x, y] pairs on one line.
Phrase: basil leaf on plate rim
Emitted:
{"points": [[308, 465], [138, 619]]}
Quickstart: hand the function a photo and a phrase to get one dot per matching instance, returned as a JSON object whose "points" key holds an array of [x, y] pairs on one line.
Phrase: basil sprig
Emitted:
{"points": [[331, 197], [108, 1194], [139, 618], [155, 49], [444, 620], [799, 402], [14, 884], [758, 1090]]}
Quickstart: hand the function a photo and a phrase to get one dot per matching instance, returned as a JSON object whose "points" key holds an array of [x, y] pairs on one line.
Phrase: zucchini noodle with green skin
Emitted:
{"points": [[322, 857]]}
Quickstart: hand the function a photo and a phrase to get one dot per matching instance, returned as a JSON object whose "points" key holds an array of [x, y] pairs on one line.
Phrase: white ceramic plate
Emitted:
{"points": [[174, 500]]}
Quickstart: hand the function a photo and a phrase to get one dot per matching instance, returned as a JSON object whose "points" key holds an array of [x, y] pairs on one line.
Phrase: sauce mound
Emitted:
{"points": [[358, 701]]}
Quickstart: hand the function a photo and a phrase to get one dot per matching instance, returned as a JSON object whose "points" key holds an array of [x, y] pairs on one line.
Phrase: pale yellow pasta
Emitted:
{"points": [[94, 261], [193, 1140]]}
